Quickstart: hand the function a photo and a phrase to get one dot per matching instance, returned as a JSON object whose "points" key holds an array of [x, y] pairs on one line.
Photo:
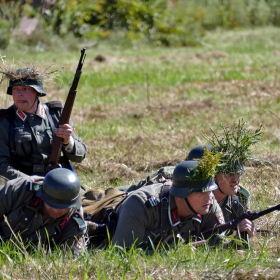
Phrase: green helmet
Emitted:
{"points": [[182, 186], [27, 77], [61, 189], [197, 152]]}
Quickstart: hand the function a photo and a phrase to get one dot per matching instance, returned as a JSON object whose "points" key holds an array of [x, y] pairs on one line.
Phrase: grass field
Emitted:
{"points": [[143, 108]]}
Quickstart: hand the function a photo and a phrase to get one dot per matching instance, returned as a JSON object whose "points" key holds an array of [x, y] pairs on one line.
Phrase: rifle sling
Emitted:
{"points": [[164, 209], [49, 118]]}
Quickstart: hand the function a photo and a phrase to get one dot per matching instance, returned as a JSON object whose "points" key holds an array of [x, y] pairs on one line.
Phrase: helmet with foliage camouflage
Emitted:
{"points": [[27, 77], [235, 145], [61, 189], [197, 152], [185, 181]]}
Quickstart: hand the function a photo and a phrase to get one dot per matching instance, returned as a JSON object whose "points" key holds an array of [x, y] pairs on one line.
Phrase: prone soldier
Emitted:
{"points": [[46, 209], [28, 128], [158, 213], [232, 197]]}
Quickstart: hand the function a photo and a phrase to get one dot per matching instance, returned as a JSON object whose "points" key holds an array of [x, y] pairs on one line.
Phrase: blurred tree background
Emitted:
{"points": [[156, 22]]}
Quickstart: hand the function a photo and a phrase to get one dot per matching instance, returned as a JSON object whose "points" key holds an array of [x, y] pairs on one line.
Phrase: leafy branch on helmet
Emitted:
{"points": [[207, 166], [11, 72], [235, 144]]}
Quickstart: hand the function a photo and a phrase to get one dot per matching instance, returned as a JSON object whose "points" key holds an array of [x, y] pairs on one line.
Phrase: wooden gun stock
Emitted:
{"points": [[66, 113]]}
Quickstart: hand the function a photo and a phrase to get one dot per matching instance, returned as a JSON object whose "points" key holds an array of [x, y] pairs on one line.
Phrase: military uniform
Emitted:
{"points": [[26, 140], [150, 213], [235, 205], [232, 206], [24, 212]]}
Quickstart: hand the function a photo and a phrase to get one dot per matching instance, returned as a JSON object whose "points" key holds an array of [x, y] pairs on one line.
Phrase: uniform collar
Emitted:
{"points": [[173, 215], [40, 112]]}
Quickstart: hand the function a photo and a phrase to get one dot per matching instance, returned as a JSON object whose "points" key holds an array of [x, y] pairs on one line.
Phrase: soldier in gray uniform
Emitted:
{"points": [[232, 197], [159, 213], [46, 209], [28, 128]]}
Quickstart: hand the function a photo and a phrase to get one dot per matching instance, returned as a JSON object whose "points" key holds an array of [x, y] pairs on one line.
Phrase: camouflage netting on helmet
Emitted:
{"points": [[236, 145], [28, 75]]}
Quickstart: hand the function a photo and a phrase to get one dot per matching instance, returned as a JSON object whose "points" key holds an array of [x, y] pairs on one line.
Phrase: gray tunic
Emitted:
{"points": [[235, 205], [33, 140], [142, 223], [19, 203]]}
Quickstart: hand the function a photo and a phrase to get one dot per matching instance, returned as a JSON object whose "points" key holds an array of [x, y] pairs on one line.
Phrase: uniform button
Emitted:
{"points": [[35, 216], [26, 219], [19, 141], [38, 132]]}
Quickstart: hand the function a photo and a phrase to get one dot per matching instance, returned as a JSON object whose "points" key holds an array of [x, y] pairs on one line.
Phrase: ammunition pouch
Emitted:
{"points": [[101, 233]]}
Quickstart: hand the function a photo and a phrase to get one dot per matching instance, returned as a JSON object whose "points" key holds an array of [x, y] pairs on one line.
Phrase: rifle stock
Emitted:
{"points": [[66, 113], [232, 225]]}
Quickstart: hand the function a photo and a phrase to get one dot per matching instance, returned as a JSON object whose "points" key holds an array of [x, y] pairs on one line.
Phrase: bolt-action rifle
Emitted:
{"points": [[65, 116], [232, 225]]}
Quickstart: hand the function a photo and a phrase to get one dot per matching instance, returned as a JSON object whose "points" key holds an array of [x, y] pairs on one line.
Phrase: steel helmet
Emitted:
{"points": [[182, 186], [61, 189], [197, 152], [27, 77]]}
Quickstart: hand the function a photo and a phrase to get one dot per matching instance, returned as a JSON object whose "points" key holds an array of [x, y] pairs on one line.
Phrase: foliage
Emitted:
{"points": [[235, 145], [206, 166], [161, 22], [10, 14]]}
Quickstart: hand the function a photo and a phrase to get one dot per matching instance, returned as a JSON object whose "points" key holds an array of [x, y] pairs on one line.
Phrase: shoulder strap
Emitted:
{"points": [[164, 198], [54, 105], [46, 107], [235, 204], [10, 117], [7, 113], [244, 192]]}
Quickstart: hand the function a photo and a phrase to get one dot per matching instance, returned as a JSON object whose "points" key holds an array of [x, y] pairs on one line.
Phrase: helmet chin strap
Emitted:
{"points": [[36, 99], [189, 205], [220, 190]]}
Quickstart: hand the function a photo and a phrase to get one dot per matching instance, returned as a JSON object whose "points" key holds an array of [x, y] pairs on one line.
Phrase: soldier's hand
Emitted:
{"points": [[247, 225], [64, 131]]}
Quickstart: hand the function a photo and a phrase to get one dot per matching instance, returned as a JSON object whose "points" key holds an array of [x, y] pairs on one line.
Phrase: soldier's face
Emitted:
{"points": [[201, 201], [55, 213], [24, 98], [228, 183]]}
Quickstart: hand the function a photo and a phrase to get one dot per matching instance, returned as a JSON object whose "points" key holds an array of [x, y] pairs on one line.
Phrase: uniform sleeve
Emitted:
{"points": [[79, 151], [133, 222], [13, 194], [6, 169]]}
